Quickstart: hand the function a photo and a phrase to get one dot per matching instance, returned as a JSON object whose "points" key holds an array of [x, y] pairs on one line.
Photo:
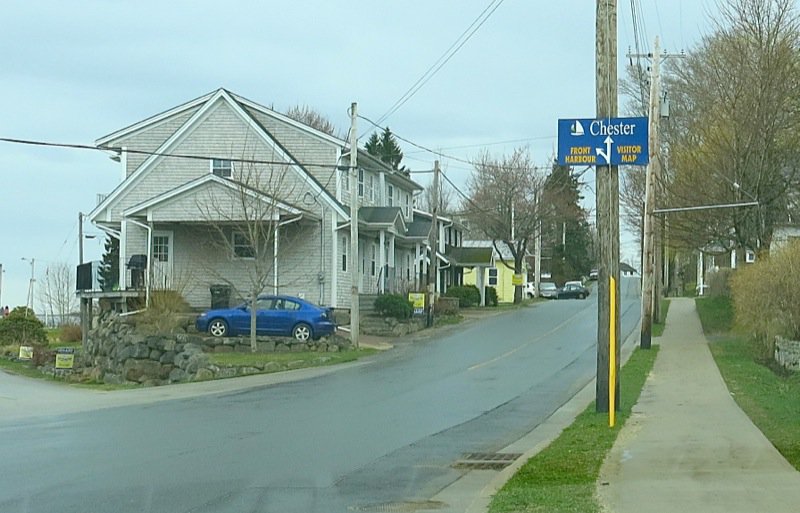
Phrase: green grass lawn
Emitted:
{"points": [[563, 477], [772, 401], [297, 360]]}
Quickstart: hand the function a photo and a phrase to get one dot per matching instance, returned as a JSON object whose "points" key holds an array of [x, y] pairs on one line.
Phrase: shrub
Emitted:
{"points": [[719, 282], [468, 295], [491, 296], [394, 305], [22, 327], [69, 333], [766, 295], [446, 306]]}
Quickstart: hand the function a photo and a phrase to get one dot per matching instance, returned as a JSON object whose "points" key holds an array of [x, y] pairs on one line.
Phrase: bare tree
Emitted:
{"points": [[737, 137], [503, 203], [314, 119], [57, 292], [426, 200], [247, 220]]}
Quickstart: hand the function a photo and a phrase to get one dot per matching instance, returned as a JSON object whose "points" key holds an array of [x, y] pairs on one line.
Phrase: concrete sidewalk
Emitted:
{"points": [[688, 446]]}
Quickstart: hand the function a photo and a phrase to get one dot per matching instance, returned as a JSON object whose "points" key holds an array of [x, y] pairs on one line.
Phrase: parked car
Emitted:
{"points": [[572, 290], [593, 274], [548, 289], [574, 282], [286, 316]]}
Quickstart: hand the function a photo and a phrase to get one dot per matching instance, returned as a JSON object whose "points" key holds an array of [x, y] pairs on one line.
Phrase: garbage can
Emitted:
{"points": [[220, 296]]}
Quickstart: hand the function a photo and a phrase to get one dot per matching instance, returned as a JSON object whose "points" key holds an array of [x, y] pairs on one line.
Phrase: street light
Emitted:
{"points": [[32, 261]]}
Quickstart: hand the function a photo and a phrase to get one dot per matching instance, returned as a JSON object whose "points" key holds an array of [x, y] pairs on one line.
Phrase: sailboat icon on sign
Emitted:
{"points": [[576, 128]]}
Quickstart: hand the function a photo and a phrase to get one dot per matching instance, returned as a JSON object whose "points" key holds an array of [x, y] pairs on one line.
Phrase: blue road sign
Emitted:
{"points": [[603, 142]]}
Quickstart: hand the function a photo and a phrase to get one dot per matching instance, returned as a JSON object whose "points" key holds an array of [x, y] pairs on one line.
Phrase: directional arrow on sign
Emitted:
{"points": [[606, 154]]}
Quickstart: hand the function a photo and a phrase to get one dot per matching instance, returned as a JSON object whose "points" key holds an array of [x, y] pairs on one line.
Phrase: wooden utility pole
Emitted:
{"points": [[607, 199], [433, 267], [355, 271], [648, 255]]}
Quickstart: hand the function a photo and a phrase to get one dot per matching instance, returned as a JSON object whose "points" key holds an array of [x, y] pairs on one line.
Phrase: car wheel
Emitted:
{"points": [[530, 296], [582, 296], [302, 332], [218, 328]]}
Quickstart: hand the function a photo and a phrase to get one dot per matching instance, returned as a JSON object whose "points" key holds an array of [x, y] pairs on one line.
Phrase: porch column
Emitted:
{"points": [[382, 261], [700, 275], [275, 260], [123, 255], [391, 270], [479, 281], [417, 266]]}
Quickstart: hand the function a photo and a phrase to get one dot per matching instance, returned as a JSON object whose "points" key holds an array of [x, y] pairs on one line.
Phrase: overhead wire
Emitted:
{"points": [[462, 39]]}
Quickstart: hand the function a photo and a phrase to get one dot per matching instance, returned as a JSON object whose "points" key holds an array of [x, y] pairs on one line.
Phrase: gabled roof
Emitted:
{"points": [[471, 257], [379, 215], [371, 163], [504, 250], [217, 181], [206, 104]]}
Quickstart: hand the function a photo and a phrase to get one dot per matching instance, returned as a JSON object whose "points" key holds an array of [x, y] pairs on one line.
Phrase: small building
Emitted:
{"points": [[499, 273]]}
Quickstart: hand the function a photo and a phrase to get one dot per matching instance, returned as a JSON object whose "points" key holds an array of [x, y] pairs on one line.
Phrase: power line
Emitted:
{"points": [[120, 150], [444, 58]]}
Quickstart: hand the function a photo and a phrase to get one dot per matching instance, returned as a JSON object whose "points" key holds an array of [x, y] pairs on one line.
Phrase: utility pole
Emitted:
{"points": [[433, 268], [355, 270], [607, 204], [1, 286], [80, 237], [537, 262], [648, 255]]}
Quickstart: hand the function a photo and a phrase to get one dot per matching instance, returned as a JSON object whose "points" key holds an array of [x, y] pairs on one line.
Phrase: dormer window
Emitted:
{"points": [[222, 167]]}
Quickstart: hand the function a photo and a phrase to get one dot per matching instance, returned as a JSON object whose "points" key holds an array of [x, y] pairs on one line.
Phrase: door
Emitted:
{"points": [[162, 260]]}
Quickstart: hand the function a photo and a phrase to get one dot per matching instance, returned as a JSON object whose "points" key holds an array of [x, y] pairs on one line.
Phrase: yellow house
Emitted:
{"points": [[498, 276]]}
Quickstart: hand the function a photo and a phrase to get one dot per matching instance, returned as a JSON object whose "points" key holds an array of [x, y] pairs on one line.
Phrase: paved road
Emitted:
{"points": [[364, 438]]}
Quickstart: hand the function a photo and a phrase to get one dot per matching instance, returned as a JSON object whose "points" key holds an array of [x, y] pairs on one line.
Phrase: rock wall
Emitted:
{"points": [[117, 352], [787, 353]]}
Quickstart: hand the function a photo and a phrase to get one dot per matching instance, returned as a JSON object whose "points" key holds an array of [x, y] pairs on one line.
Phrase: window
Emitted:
{"points": [[371, 188], [264, 303], [493, 276], [750, 256], [285, 304], [241, 246], [160, 248], [390, 195], [408, 205], [374, 253], [223, 168], [408, 267], [360, 182], [345, 177], [344, 253]]}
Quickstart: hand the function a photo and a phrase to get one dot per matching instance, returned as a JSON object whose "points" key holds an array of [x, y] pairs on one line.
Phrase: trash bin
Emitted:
{"points": [[220, 296]]}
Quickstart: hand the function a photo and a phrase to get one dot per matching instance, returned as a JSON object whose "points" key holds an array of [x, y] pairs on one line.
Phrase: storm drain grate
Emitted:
{"points": [[400, 507], [486, 460]]}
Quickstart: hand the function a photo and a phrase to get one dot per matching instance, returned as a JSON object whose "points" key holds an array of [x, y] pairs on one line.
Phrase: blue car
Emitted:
{"points": [[276, 315]]}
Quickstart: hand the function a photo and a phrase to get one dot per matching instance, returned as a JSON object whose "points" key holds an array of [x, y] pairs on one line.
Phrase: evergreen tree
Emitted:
{"points": [[386, 148], [109, 267], [565, 229]]}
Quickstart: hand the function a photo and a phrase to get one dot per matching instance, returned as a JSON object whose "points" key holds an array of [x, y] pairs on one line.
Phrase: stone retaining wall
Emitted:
{"points": [[787, 353], [116, 352]]}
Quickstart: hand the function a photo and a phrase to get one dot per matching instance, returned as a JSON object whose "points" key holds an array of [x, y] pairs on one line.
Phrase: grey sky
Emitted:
{"points": [[75, 71]]}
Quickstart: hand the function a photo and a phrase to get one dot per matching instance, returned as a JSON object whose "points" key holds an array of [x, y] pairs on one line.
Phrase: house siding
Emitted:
{"points": [[309, 150], [222, 133], [150, 138]]}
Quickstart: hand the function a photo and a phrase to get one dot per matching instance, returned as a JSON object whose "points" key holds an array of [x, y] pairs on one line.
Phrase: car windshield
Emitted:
{"points": [[547, 285]]}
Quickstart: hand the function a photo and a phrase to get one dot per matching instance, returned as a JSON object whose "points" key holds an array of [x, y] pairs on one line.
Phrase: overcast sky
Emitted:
{"points": [[75, 71]]}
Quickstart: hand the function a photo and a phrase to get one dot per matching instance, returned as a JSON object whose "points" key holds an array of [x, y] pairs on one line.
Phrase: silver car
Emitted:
{"points": [[548, 289]]}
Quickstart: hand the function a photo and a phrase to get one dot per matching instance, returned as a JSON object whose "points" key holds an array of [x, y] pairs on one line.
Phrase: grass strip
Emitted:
{"points": [[770, 399], [286, 360], [658, 327], [563, 476]]}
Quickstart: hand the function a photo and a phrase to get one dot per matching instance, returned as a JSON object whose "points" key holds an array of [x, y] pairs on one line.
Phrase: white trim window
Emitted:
{"points": [[360, 183], [493, 276], [345, 176], [242, 249], [372, 262], [344, 253], [371, 187], [222, 167], [408, 205], [389, 195]]}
